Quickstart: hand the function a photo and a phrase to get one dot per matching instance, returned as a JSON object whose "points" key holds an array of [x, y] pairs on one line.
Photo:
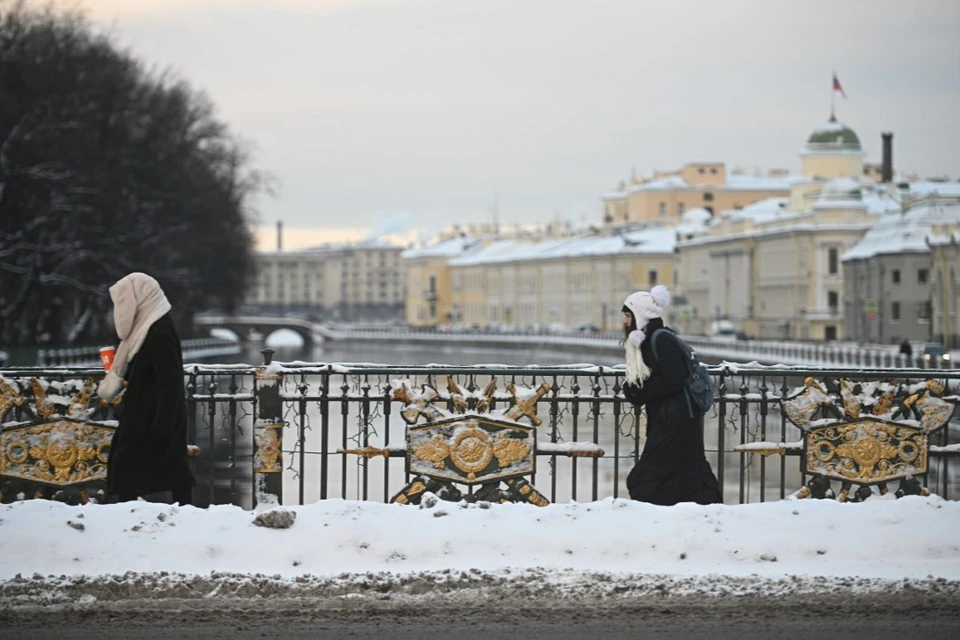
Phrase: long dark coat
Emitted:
{"points": [[672, 467], [149, 449]]}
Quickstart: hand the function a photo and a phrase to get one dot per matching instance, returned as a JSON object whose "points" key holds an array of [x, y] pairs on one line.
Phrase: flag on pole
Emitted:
{"points": [[837, 87]]}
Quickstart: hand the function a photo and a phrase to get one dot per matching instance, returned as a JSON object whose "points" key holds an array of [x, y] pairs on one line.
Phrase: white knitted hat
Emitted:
{"points": [[647, 306]]}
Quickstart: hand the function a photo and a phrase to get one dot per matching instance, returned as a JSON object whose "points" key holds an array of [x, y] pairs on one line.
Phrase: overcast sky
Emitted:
{"points": [[364, 109]]}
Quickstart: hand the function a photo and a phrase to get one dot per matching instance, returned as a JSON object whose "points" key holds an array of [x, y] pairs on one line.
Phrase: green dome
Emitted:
{"points": [[835, 135]]}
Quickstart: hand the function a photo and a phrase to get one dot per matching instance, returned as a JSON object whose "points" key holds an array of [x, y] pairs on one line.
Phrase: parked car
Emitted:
{"points": [[588, 328], [935, 351], [723, 331]]}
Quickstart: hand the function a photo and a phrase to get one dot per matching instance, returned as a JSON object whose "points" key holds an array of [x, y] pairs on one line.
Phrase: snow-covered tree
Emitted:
{"points": [[107, 168]]}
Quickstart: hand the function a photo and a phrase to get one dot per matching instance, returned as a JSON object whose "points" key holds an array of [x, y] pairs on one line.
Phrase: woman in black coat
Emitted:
{"points": [[673, 467], [148, 453]]}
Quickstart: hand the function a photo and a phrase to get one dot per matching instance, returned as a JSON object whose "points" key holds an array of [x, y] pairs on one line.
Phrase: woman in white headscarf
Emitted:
{"points": [[148, 453], [673, 466]]}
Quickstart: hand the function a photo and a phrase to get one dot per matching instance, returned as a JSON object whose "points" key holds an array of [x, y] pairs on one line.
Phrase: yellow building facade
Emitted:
{"points": [[701, 185], [569, 282], [429, 300], [536, 281], [773, 268]]}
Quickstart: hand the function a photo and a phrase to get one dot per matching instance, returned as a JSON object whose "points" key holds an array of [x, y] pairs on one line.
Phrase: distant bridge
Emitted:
{"points": [[243, 326]]}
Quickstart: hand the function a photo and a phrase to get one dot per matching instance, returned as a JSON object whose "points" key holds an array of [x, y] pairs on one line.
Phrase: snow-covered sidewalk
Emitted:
{"points": [[911, 538]]}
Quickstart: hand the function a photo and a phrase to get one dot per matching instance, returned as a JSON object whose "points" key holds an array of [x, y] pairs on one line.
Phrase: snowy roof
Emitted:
{"points": [[733, 183], [761, 211], [331, 248], [841, 193], [695, 216], [761, 183], [905, 233], [445, 249], [931, 188], [662, 240]]}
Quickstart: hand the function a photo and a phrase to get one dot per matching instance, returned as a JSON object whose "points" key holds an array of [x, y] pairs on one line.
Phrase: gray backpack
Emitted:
{"points": [[698, 386]]}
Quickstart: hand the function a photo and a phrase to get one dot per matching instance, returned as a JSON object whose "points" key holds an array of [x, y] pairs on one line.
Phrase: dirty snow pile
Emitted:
{"points": [[913, 538]]}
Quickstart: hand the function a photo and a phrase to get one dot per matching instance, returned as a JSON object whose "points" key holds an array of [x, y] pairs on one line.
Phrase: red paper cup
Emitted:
{"points": [[106, 357]]}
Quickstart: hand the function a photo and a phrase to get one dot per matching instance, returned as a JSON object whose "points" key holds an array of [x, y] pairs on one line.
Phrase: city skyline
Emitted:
{"points": [[448, 111]]}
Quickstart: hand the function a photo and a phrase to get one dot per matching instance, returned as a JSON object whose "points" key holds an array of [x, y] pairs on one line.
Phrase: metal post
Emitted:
{"points": [[268, 431]]}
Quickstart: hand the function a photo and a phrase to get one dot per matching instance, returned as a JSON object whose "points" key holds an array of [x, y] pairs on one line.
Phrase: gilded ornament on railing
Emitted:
{"points": [[890, 441], [471, 445], [476, 449], [867, 451], [62, 453], [269, 442], [526, 405], [463, 442], [460, 399], [45, 407], [416, 405], [9, 397]]}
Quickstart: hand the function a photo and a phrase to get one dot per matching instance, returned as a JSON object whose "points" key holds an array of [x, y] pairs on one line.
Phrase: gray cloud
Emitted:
{"points": [[432, 106]]}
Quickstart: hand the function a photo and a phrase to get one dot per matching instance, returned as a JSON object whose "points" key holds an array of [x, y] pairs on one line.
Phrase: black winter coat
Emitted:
{"points": [[672, 467], [149, 449]]}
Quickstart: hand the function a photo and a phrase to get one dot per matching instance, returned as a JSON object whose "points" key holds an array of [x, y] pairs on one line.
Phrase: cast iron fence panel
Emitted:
{"points": [[328, 408]]}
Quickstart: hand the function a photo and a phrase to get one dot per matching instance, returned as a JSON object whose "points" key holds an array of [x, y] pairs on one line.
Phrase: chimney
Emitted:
{"points": [[279, 235], [886, 171]]}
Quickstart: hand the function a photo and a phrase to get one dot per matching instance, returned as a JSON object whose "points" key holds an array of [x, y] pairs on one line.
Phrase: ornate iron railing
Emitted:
{"points": [[288, 428]]}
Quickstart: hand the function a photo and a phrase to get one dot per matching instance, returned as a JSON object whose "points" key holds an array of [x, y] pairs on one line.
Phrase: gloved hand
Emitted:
{"points": [[636, 338]]}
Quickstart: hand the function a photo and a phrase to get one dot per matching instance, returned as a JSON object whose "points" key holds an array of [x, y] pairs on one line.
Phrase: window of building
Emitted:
{"points": [[708, 197], [433, 284], [713, 171], [700, 169], [923, 276], [709, 210], [924, 311], [833, 301], [895, 311], [833, 261], [895, 276], [663, 209], [681, 207], [676, 277], [652, 277], [433, 310]]}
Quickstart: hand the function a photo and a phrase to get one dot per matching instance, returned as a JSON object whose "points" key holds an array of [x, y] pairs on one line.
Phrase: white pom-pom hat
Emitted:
{"points": [[646, 306]]}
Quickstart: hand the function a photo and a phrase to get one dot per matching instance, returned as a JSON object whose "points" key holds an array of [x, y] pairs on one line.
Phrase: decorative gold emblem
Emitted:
{"points": [[463, 449], [866, 451], [472, 451], [61, 453], [468, 448], [269, 441]]}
